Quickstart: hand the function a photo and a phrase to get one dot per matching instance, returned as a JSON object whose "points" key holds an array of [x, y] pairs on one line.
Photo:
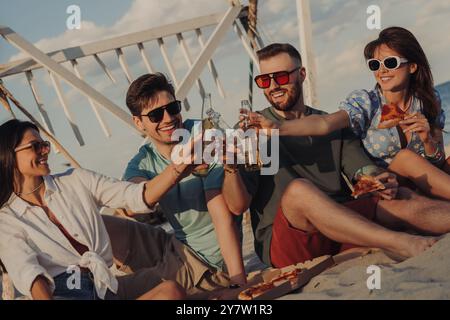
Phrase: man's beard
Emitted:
{"points": [[293, 97]]}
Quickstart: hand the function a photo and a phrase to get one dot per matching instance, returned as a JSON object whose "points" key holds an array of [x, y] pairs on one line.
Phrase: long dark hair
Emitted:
{"points": [[11, 134], [421, 82]]}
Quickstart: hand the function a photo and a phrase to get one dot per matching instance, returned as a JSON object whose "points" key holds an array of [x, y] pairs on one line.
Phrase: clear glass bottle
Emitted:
{"points": [[212, 120], [251, 163]]}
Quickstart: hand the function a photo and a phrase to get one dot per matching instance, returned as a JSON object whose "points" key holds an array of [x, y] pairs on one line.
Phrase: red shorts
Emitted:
{"points": [[290, 245]]}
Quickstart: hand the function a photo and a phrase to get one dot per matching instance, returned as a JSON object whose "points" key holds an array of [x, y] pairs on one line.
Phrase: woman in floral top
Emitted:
{"points": [[414, 148]]}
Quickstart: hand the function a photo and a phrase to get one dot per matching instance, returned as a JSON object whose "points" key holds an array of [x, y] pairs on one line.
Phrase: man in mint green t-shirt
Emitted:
{"points": [[200, 209]]}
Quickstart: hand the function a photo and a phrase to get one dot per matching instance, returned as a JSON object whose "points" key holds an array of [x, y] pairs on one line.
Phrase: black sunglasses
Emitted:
{"points": [[37, 146], [157, 115]]}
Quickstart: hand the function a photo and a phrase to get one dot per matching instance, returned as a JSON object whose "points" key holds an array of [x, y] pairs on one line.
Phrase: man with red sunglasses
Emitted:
{"points": [[305, 210]]}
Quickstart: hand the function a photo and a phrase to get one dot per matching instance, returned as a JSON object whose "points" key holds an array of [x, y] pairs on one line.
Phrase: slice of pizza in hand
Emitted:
{"points": [[366, 184], [391, 115]]}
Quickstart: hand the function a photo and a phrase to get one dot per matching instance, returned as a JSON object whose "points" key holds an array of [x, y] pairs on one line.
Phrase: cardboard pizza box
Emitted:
{"points": [[310, 269]]}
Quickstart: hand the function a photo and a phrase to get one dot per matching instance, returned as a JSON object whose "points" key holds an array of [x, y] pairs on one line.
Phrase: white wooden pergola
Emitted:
{"points": [[51, 62]]}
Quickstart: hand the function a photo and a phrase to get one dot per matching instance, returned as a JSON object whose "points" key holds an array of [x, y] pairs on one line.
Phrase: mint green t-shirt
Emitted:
{"points": [[184, 204]]}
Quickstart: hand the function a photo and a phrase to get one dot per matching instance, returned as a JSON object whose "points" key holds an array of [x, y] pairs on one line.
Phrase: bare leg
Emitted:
{"points": [[307, 208], [168, 290], [424, 175], [415, 211]]}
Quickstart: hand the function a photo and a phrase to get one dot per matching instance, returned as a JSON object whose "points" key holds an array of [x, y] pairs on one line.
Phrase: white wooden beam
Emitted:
{"points": [[187, 57], [173, 76], [40, 105], [91, 102], [36, 54], [211, 65], [306, 51], [69, 115], [246, 43], [147, 63], [124, 65], [206, 54], [110, 44], [105, 68]]}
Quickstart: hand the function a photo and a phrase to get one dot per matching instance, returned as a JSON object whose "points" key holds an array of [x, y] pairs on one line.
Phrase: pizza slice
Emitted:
{"points": [[278, 282], [255, 291], [260, 289], [391, 115], [366, 184]]}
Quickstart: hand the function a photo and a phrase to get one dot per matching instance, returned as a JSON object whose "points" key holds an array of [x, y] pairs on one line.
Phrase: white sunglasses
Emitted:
{"points": [[390, 63]]}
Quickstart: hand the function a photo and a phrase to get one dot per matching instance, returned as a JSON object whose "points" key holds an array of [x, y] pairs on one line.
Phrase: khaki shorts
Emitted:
{"points": [[149, 255]]}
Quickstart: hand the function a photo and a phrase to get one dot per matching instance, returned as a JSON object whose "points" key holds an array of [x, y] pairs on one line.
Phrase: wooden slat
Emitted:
{"points": [[91, 102], [109, 44], [171, 70], [207, 52], [105, 68], [245, 42], [69, 115], [4, 101], [123, 63], [187, 56], [25, 46], [40, 105], [147, 63], [211, 65]]}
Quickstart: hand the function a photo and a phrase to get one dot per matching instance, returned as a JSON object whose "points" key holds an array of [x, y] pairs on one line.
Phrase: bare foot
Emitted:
{"points": [[412, 245]]}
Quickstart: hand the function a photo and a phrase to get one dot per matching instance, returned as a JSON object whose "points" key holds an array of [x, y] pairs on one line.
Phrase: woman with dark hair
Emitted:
{"points": [[53, 241], [413, 147]]}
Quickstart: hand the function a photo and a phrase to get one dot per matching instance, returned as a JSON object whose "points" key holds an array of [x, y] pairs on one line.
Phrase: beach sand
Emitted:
{"points": [[425, 276]]}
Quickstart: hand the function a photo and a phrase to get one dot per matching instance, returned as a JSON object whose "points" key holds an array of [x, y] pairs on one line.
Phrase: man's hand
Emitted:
{"points": [[389, 180], [248, 118]]}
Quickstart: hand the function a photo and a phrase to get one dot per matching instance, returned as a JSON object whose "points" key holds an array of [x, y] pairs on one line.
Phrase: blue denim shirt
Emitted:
{"points": [[364, 110]]}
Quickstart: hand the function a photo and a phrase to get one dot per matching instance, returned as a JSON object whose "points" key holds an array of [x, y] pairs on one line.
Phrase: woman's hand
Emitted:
{"points": [[416, 122]]}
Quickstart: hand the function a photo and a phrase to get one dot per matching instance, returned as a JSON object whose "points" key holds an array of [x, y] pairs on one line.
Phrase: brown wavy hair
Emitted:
{"points": [[11, 134], [421, 82]]}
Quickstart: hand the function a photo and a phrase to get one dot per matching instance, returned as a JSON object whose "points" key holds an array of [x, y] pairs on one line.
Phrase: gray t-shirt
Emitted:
{"points": [[321, 160]]}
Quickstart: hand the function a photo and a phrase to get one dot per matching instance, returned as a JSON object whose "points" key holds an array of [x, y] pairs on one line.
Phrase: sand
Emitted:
{"points": [[425, 276]]}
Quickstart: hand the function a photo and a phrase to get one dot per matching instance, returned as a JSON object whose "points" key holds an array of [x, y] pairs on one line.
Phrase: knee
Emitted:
{"points": [[299, 188], [172, 290], [405, 155]]}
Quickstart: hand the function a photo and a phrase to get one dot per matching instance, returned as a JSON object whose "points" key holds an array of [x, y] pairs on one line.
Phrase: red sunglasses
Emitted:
{"points": [[280, 77]]}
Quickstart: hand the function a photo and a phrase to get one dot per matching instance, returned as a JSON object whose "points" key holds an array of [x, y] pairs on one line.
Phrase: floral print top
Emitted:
{"points": [[364, 110]]}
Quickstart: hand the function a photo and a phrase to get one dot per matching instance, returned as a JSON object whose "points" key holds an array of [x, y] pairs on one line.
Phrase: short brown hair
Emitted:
{"points": [[144, 88], [276, 48]]}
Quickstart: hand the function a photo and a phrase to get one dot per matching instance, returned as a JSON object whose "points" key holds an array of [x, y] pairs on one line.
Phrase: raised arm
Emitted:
{"points": [[313, 125], [158, 186]]}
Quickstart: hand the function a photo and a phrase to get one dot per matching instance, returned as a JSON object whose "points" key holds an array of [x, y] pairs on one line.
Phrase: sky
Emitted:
{"points": [[339, 34]]}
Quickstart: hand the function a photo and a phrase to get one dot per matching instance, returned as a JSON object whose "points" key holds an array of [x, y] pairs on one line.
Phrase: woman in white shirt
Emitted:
{"points": [[53, 241]]}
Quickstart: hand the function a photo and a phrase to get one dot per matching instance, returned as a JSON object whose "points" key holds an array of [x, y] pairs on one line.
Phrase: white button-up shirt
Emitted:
{"points": [[31, 245]]}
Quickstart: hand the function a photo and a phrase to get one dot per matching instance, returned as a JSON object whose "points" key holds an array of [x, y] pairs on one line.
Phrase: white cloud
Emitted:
{"points": [[275, 6]]}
